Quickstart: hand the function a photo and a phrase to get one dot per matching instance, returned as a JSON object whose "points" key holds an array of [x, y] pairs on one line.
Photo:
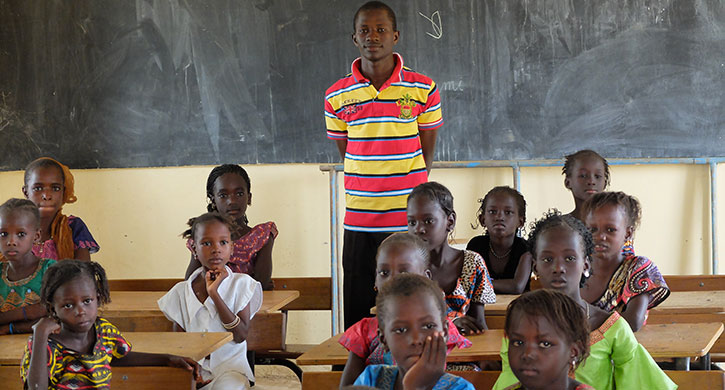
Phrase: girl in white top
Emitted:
{"points": [[213, 299]]}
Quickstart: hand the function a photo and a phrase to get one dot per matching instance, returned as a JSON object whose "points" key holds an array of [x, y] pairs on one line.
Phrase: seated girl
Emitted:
{"points": [[621, 280], [397, 254], [502, 215], [49, 184], [462, 275], [229, 192], [561, 247], [548, 337], [22, 272], [411, 318], [74, 348], [213, 299]]}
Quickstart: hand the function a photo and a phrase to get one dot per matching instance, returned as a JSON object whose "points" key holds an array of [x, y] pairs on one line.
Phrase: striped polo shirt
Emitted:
{"points": [[384, 159]]}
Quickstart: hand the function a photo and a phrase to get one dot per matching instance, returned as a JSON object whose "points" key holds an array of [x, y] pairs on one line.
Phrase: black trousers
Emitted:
{"points": [[358, 264]]}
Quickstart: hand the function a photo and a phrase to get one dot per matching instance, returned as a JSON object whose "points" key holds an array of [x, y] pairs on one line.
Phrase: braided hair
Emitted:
{"points": [[66, 271]]}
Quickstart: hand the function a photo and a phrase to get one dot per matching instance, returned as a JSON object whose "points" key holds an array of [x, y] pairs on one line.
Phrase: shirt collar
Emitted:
{"points": [[397, 75]]}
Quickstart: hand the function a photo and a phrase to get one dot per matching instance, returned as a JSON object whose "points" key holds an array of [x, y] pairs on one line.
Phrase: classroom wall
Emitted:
{"points": [[137, 215]]}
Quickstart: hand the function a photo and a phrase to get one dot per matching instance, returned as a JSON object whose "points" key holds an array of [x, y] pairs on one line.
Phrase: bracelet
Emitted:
{"points": [[10, 328], [25, 314], [232, 324]]}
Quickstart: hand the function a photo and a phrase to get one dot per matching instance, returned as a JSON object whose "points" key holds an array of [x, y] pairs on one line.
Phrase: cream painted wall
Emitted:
{"points": [[137, 215]]}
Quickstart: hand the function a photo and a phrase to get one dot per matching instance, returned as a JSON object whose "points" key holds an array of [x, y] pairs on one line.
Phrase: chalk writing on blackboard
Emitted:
{"points": [[435, 21]]}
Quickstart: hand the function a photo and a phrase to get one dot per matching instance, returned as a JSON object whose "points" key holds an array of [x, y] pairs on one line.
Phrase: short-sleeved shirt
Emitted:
{"points": [[384, 159], [237, 291], [82, 239], [23, 292], [473, 286], [636, 275], [245, 249], [69, 369], [383, 377], [362, 340]]}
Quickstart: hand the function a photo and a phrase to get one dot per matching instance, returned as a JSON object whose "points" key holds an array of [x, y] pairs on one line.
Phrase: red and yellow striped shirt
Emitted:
{"points": [[384, 159]]}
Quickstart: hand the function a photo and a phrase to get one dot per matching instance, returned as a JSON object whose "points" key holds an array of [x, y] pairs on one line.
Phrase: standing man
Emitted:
{"points": [[384, 118]]}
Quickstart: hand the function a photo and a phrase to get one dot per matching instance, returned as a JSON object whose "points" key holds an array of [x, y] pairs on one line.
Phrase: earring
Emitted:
{"points": [[573, 365], [375, 288], [536, 276], [586, 273]]}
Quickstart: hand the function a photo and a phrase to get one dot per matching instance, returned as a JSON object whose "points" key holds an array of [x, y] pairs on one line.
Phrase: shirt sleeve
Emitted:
{"points": [[369, 376], [431, 117], [507, 377], [82, 238], [354, 339], [54, 369], [455, 339], [644, 277], [248, 293], [633, 364], [483, 290], [336, 127], [172, 304], [114, 342]]}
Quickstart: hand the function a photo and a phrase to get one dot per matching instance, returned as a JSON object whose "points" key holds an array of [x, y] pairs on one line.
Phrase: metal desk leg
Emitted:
{"points": [[682, 364]]}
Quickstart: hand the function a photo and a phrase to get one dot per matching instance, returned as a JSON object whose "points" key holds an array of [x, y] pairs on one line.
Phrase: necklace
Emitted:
{"points": [[493, 252]]}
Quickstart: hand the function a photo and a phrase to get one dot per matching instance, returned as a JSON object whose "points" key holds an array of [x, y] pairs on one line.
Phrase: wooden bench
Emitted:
{"points": [[123, 378], [695, 282]]}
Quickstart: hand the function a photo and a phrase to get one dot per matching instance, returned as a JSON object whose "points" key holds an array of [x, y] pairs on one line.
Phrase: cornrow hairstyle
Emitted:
{"points": [[570, 159], [405, 285], [408, 240], [562, 312], [506, 190], [195, 223], [630, 205], [436, 192], [371, 5], [16, 205], [554, 219], [59, 228], [218, 172], [65, 271]]}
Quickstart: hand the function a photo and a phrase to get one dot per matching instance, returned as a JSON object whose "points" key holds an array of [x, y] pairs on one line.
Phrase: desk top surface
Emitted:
{"points": [[679, 302], [192, 344], [145, 302], [662, 341]]}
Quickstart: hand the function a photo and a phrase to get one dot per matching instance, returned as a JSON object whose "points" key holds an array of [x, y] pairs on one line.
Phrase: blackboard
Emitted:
{"points": [[117, 83]]}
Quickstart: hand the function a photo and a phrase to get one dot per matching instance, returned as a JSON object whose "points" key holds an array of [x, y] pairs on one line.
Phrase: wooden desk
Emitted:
{"points": [[134, 303], [691, 302], [193, 345], [679, 302], [669, 341]]}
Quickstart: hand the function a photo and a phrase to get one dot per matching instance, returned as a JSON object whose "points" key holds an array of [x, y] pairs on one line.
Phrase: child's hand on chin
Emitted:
{"points": [[46, 326], [214, 278], [431, 365]]}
